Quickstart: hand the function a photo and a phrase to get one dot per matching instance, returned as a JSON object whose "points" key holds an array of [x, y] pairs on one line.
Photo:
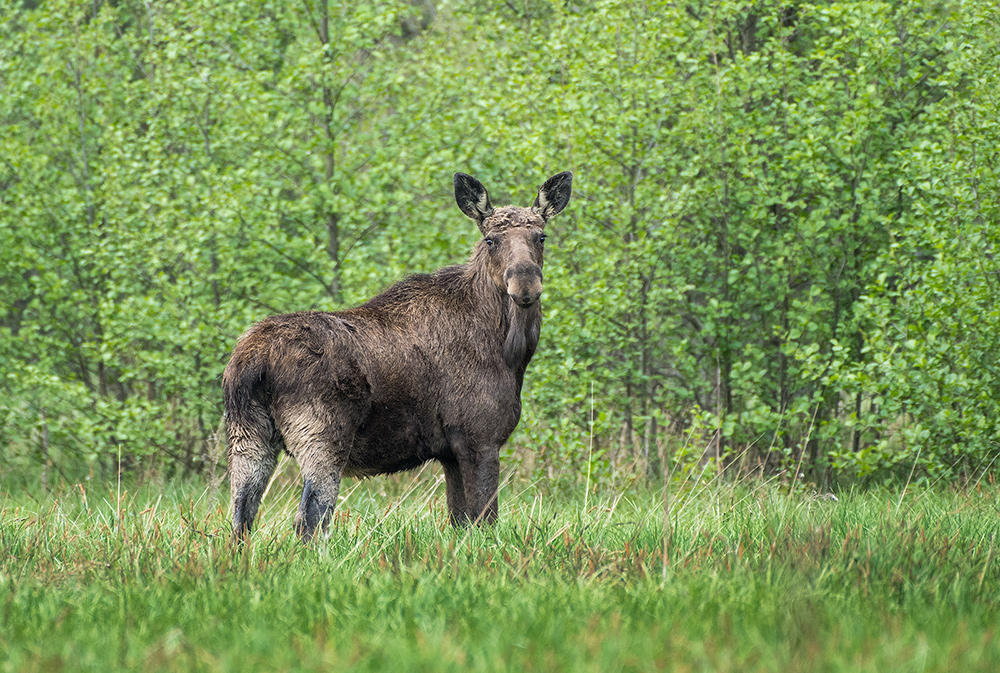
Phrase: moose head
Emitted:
{"points": [[513, 237]]}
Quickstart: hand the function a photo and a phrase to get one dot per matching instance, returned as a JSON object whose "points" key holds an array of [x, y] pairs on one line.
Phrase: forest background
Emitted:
{"points": [[780, 252]]}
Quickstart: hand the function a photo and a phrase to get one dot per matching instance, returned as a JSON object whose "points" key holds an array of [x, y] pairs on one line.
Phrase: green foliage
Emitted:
{"points": [[780, 251]]}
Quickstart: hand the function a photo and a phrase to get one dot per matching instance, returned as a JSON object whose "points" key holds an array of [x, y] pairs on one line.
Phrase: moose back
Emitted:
{"points": [[430, 369]]}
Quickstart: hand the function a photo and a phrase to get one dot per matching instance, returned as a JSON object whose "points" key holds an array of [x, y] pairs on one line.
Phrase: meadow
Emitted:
{"points": [[755, 576], [780, 250]]}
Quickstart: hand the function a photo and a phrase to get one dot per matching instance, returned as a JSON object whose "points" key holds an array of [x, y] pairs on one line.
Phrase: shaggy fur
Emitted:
{"points": [[430, 369]]}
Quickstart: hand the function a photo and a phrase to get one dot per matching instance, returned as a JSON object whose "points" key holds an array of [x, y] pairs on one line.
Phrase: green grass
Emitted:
{"points": [[753, 579]]}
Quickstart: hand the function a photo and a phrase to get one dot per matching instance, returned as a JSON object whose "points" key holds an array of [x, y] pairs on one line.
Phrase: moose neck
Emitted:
{"points": [[523, 327]]}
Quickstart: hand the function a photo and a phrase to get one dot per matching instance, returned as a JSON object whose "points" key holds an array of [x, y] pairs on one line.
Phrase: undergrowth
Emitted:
{"points": [[711, 577]]}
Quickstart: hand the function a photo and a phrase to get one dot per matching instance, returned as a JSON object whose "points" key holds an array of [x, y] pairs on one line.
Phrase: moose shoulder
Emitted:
{"points": [[431, 369]]}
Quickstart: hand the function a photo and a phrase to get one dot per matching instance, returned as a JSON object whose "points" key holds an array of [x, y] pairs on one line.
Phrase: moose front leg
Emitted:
{"points": [[480, 471], [458, 510]]}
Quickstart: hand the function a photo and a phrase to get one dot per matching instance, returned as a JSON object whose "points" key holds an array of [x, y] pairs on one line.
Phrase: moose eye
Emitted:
{"points": [[541, 238], [490, 242]]}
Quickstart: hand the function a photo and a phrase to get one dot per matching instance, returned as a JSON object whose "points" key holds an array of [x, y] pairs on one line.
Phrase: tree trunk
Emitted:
{"points": [[329, 108]]}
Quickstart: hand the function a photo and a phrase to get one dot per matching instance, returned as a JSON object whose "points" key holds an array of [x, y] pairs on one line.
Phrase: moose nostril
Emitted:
{"points": [[526, 299]]}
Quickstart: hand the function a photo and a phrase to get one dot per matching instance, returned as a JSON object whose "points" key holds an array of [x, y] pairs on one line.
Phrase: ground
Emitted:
{"points": [[754, 576]]}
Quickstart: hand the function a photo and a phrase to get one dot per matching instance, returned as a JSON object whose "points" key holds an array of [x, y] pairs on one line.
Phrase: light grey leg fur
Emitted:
{"points": [[320, 444], [253, 456]]}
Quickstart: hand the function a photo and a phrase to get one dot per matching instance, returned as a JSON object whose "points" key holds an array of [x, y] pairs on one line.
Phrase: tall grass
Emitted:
{"points": [[749, 578]]}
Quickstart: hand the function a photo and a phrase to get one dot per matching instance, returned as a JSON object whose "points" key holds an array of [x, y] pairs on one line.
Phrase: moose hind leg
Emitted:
{"points": [[320, 445], [319, 498], [252, 459]]}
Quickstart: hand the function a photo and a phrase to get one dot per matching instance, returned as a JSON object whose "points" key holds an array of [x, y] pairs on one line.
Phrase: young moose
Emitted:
{"points": [[431, 369]]}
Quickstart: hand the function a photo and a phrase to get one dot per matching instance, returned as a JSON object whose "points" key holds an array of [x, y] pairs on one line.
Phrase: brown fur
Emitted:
{"points": [[430, 369]]}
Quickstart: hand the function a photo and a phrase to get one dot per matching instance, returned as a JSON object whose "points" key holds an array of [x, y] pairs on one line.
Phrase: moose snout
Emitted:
{"points": [[524, 283]]}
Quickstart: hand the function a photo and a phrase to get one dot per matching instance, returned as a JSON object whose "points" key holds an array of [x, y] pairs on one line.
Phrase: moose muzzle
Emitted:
{"points": [[524, 283]]}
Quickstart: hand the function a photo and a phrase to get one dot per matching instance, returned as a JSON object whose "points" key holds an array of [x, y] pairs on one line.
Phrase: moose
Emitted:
{"points": [[430, 369]]}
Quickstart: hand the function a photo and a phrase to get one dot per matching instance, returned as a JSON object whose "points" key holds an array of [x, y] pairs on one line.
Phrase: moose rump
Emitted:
{"points": [[430, 369]]}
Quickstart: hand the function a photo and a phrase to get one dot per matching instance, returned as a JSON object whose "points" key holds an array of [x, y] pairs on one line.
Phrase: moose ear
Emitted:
{"points": [[472, 198], [553, 195]]}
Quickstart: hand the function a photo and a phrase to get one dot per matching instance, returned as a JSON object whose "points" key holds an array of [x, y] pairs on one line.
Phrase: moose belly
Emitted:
{"points": [[395, 439]]}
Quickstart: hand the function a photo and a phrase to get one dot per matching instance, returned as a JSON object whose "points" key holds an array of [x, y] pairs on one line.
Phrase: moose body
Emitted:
{"points": [[430, 369]]}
